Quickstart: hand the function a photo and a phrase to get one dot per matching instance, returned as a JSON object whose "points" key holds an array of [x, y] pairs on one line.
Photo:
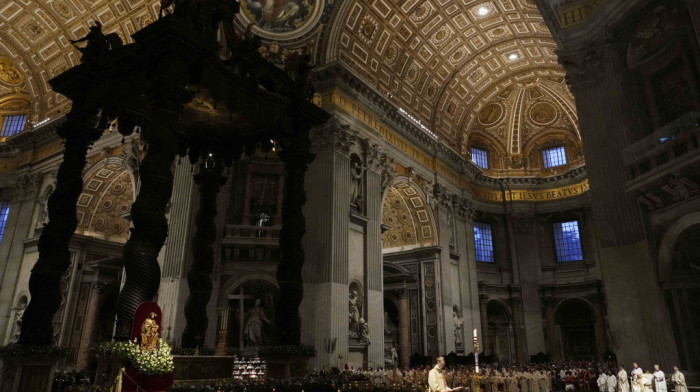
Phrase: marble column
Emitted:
{"points": [[597, 73], [173, 287], [324, 308], [525, 257], [601, 336], [519, 330], [555, 353], [484, 333], [373, 253], [471, 310], [92, 316], [404, 329], [12, 249], [445, 220]]}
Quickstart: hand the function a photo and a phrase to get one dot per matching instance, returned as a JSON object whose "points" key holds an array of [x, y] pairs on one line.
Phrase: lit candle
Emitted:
{"points": [[475, 332]]}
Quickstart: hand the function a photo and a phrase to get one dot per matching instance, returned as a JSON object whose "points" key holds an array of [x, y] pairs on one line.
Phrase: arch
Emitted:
{"points": [[500, 337], [496, 305], [107, 196], [328, 50], [409, 216], [575, 322], [581, 303], [668, 242], [232, 284]]}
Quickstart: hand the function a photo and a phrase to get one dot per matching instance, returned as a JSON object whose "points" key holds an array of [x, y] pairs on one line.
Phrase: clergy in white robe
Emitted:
{"points": [[637, 382], [611, 382], [659, 380], [602, 382], [647, 382], [678, 380], [622, 381]]}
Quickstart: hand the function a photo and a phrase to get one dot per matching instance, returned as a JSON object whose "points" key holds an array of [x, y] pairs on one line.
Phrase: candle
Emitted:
{"points": [[474, 332]]}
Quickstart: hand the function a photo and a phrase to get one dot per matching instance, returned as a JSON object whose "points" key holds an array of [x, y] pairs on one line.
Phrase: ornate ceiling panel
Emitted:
{"points": [[407, 217], [443, 61], [35, 38]]}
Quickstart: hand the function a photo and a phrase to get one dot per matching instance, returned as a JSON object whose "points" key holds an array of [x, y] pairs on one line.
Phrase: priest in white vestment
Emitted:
{"points": [[659, 380], [647, 382], [678, 380], [637, 383], [611, 382], [622, 381], [602, 382]]}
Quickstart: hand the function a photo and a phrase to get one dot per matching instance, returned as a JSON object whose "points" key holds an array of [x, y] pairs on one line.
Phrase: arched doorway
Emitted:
{"points": [[576, 323], [681, 296], [252, 315], [500, 332]]}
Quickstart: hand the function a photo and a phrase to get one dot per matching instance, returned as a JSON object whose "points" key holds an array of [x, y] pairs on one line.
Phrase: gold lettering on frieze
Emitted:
{"points": [[530, 195], [578, 13]]}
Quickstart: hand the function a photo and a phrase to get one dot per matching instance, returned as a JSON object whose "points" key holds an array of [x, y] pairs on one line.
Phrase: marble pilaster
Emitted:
{"points": [[484, 333], [404, 329], [373, 255], [553, 342], [324, 308], [445, 218], [526, 259], [519, 337], [598, 78], [173, 287], [17, 228]]}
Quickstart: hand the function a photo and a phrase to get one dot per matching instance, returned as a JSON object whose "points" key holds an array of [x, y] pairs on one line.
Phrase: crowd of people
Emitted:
{"points": [[548, 377]]}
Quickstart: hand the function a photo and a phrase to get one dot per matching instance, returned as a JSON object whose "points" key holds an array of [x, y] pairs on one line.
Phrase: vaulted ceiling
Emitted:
{"points": [[35, 36], [462, 68], [469, 70]]}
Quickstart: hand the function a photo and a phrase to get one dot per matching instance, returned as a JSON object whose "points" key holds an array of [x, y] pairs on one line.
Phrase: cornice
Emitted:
{"points": [[336, 75]]}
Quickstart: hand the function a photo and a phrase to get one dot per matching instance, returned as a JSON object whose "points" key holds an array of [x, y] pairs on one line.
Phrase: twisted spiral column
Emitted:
{"points": [[54, 256]]}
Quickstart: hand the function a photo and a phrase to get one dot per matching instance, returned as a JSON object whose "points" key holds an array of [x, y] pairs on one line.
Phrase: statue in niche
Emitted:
{"points": [[355, 306], [254, 323], [356, 314], [357, 171], [149, 334], [17, 328], [458, 322], [363, 332]]}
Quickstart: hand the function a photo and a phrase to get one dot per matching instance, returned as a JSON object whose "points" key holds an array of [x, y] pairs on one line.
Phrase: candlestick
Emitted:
{"points": [[474, 333]]}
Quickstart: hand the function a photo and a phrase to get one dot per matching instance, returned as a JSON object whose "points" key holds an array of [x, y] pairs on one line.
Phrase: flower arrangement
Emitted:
{"points": [[19, 350], [285, 351], [157, 362]]}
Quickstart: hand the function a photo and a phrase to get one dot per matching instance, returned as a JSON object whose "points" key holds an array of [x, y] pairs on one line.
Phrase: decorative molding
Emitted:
{"points": [[333, 137]]}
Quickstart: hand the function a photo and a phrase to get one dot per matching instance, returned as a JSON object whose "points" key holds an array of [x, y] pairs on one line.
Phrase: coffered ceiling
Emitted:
{"points": [[445, 62], [35, 37]]}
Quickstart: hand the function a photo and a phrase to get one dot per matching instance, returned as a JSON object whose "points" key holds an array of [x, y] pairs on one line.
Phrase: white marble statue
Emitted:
{"points": [[253, 330]]}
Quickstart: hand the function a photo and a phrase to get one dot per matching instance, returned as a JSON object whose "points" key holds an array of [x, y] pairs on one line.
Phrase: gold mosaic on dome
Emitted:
{"points": [[35, 36], [445, 62]]}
